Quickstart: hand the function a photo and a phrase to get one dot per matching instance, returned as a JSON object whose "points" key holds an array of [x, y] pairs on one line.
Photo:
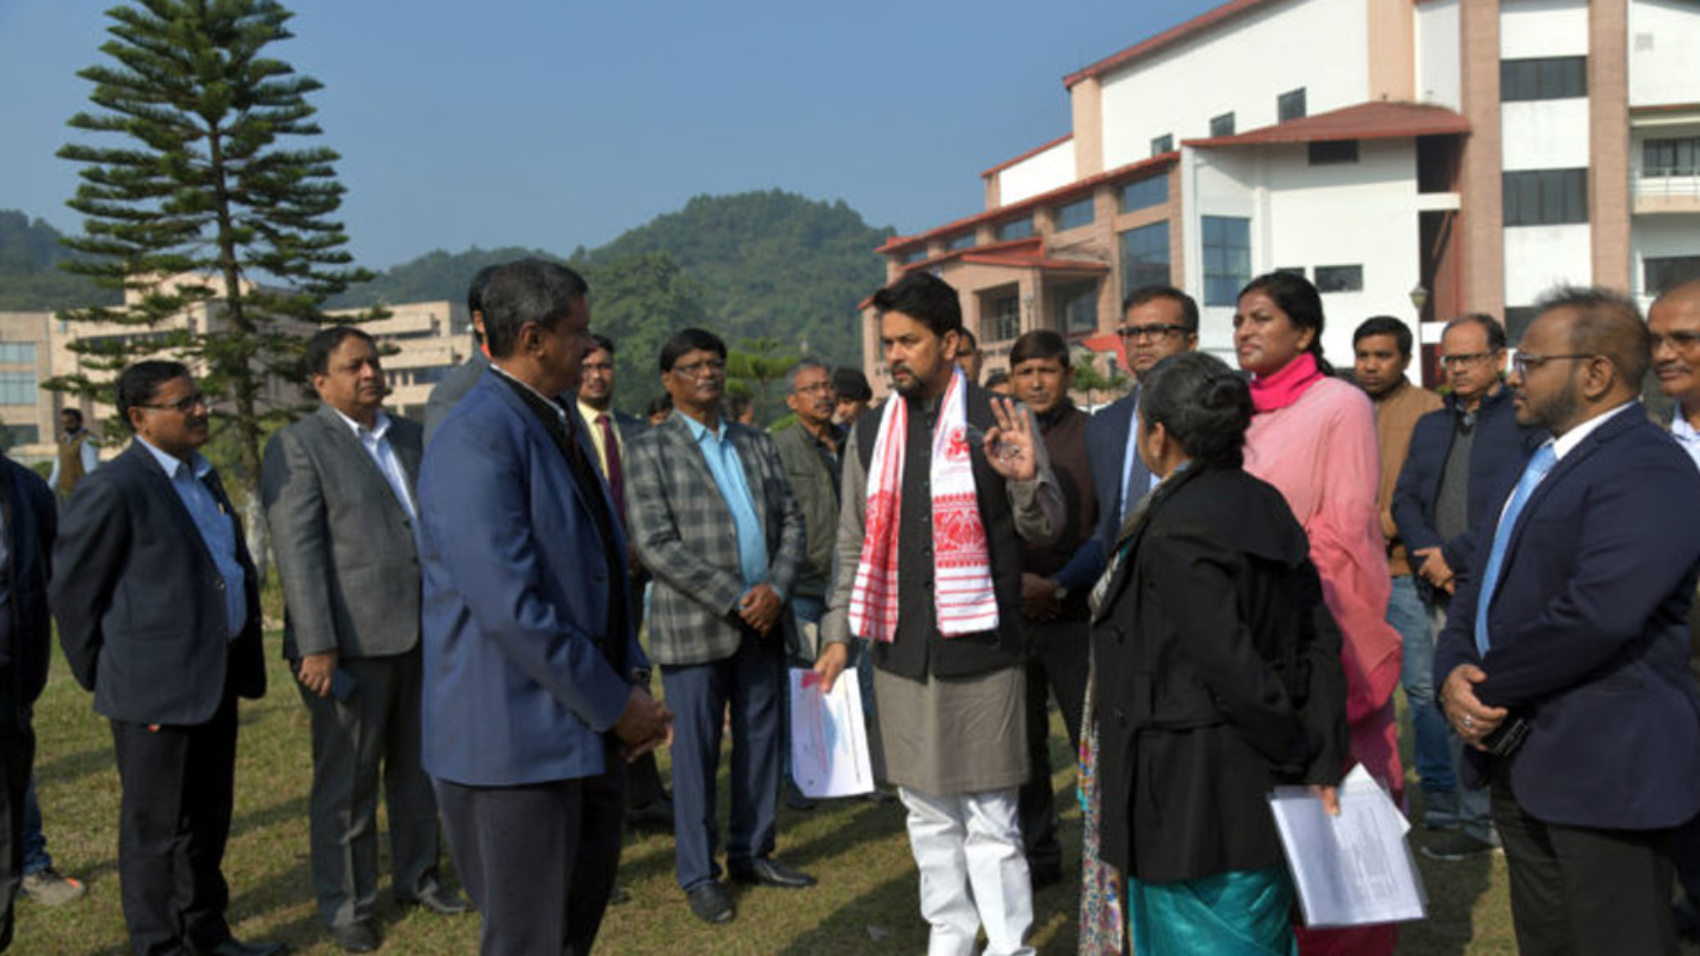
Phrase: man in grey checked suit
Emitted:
{"points": [[338, 488], [716, 525]]}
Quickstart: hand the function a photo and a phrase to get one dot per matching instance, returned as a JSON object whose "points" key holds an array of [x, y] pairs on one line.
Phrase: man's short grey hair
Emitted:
{"points": [[803, 365]]}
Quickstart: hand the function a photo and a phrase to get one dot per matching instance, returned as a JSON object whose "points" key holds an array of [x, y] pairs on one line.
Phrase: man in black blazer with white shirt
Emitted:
{"points": [[162, 621]]}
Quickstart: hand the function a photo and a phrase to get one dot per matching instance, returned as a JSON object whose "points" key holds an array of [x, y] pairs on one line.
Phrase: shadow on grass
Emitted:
{"points": [[885, 919], [69, 767], [1454, 889]]}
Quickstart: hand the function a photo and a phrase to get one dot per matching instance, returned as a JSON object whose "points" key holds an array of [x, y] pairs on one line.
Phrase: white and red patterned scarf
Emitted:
{"points": [[962, 568]]}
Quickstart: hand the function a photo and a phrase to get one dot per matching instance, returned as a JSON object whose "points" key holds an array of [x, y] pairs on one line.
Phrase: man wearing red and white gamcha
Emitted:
{"points": [[937, 487]]}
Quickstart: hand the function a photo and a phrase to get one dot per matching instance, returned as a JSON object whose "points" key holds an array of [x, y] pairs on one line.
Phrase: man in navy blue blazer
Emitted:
{"points": [[161, 619], [534, 692], [1157, 321], [1572, 622]]}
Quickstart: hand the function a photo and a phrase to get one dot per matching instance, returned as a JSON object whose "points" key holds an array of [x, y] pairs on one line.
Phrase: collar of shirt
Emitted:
{"points": [[1566, 443], [699, 430], [589, 413], [197, 464], [555, 404], [1681, 430], [377, 431]]}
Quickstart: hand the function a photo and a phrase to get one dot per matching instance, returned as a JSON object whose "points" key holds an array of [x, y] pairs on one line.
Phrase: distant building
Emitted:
{"points": [[420, 341], [1430, 157]]}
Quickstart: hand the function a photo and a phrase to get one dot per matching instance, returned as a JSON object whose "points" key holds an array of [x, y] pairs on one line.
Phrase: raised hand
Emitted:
{"points": [[1009, 445]]}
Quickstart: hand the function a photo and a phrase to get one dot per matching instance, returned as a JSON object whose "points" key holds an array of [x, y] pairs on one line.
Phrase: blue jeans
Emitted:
{"points": [[36, 857], [1431, 749]]}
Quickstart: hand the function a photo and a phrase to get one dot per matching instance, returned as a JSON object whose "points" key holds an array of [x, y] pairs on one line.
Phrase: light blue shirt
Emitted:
{"points": [[377, 444], [1685, 435], [216, 525], [728, 471]]}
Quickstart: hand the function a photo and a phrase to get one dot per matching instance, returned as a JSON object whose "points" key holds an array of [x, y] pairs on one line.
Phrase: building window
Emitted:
{"points": [[1291, 270], [1659, 276], [17, 353], [1290, 105], [1077, 308], [1145, 193], [1339, 278], [17, 388], [961, 241], [1015, 229], [1517, 320], [1074, 215], [1547, 78], [1227, 258], [11, 436], [1145, 257], [1334, 153], [1546, 197], [915, 255], [1671, 157], [1162, 144], [1002, 318], [1222, 125]]}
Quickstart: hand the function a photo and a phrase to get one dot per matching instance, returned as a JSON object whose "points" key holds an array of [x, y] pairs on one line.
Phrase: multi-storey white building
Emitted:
{"points": [[1474, 151]]}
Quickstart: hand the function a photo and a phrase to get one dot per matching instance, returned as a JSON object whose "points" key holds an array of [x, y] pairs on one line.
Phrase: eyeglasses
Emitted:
{"points": [[815, 389], [590, 367], [1678, 340], [1134, 332], [1464, 360], [1522, 362], [701, 369], [186, 404]]}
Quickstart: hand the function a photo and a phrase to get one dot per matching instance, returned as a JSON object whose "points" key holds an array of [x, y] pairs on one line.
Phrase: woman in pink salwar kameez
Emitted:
{"points": [[1313, 437]]}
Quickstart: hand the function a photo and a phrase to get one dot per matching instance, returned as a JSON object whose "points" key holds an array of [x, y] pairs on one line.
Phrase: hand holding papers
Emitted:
{"points": [[1353, 869], [829, 741]]}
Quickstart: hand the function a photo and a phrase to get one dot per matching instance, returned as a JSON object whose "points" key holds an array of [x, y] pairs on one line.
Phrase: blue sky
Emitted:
{"points": [[551, 125]]}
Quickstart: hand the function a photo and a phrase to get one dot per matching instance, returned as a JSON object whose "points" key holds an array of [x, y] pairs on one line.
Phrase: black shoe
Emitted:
{"points": [[235, 947], [356, 937], [795, 798], [769, 872], [657, 813], [709, 903], [440, 901]]}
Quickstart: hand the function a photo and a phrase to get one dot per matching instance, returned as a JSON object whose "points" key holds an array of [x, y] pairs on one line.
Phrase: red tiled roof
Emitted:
{"points": [[1019, 261], [1014, 210], [1169, 37], [1027, 155], [1378, 120], [1665, 108]]}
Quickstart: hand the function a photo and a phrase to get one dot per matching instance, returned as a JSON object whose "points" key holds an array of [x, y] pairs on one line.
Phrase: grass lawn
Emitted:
{"points": [[865, 903]]}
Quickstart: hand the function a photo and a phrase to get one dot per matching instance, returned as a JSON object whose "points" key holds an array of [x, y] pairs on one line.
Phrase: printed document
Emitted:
{"points": [[829, 738], [1352, 869]]}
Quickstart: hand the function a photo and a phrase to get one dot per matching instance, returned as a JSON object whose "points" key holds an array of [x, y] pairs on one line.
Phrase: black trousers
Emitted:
{"points": [[538, 860], [17, 752], [1579, 891], [173, 822], [1056, 665]]}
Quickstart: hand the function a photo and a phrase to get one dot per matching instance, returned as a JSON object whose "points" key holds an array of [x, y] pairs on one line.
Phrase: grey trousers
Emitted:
{"points": [[372, 736]]}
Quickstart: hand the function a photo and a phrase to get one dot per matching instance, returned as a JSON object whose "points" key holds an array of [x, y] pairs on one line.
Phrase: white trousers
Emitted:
{"points": [[973, 871]]}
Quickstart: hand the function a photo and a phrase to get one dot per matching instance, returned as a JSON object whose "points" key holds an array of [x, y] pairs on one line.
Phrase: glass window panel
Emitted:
{"points": [[1074, 215], [1222, 125], [962, 241], [1290, 105], [1145, 193], [1227, 258], [1015, 229], [1340, 278], [1145, 257], [1163, 144]]}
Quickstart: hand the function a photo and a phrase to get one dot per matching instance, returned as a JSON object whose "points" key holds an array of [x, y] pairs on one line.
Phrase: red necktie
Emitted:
{"points": [[616, 476]]}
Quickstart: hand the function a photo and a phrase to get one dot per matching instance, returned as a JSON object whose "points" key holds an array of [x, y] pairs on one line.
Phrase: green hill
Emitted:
{"points": [[30, 277]]}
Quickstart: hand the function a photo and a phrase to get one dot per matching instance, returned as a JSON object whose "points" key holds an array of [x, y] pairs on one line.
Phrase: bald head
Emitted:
{"points": [[1673, 324]]}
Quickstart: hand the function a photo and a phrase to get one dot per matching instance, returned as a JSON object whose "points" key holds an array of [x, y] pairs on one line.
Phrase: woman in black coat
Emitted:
{"points": [[1217, 677]]}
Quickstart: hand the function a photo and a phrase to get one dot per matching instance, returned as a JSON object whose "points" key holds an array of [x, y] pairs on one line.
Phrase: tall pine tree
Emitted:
{"points": [[216, 232]]}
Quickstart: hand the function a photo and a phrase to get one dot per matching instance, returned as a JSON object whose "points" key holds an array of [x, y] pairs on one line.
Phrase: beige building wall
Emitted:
{"points": [[28, 413]]}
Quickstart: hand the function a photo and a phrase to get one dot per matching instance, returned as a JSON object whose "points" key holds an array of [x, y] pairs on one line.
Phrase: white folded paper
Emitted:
{"points": [[1353, 869], [829, 738]]}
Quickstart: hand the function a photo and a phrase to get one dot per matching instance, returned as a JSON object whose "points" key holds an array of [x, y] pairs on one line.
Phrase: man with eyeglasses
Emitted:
{"points": [[1563, 662], [1674, 326], [162, 622], [716, 524], [1459, 458], [1157, 321]]}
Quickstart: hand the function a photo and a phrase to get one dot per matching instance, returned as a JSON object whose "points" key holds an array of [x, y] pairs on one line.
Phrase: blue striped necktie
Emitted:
{"points": [[1539, 464]]}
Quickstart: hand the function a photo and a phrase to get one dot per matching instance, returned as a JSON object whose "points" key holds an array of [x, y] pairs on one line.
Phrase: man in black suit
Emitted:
{"points": [[1570, 624], [27, 516], [162, 621]]}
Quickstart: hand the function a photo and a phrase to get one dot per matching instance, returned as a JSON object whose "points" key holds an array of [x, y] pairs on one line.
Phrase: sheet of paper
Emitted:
{"points": [[829, 738], [1353, 869]]}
